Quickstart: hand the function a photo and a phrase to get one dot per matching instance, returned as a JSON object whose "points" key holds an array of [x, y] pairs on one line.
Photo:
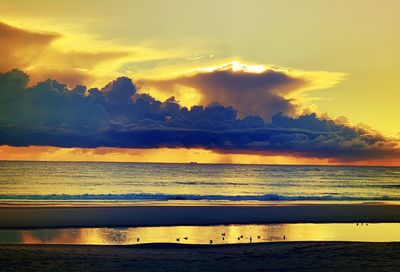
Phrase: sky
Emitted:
{"points": [[336, 62]]}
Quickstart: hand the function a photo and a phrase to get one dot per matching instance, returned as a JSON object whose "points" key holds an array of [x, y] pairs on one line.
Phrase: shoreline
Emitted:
{"points": [[196, 246], [152, 215], [179, 203]]}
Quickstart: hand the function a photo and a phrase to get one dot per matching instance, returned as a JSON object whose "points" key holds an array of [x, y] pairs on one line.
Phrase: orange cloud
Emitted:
{"points": [[20, 48], [34, 53]]}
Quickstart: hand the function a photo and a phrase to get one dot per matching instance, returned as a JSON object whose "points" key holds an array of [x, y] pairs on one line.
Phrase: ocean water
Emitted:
{"points": [[93, 182]]}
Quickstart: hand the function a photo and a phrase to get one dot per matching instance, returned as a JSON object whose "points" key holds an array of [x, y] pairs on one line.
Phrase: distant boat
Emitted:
{"points": [[192, 162]]}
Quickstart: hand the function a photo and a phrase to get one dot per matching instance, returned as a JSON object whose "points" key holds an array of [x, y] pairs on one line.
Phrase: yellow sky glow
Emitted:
{"points": [[346, 49]]}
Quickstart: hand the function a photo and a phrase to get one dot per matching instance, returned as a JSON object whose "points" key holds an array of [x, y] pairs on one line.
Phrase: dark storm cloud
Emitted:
{"points": [[250, 93], [50, 114]]}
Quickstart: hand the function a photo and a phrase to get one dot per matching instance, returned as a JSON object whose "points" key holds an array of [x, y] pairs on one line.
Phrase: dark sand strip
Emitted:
{"points": [[311, 256], [43, 217]]}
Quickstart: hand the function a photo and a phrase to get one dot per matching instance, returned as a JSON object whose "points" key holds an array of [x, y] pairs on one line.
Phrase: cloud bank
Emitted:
{"points": [[50, 114]]}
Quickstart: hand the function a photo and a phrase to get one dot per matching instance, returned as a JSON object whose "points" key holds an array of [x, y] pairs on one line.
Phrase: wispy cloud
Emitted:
{"points": [[75, 58]]}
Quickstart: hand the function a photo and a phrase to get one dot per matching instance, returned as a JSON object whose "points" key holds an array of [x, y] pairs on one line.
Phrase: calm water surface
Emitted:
{"points": [[128, 182], [227, 234]]}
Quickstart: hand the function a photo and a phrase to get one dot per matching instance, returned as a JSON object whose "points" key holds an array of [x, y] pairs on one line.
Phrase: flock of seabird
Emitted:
{"points": [[178, 239]]}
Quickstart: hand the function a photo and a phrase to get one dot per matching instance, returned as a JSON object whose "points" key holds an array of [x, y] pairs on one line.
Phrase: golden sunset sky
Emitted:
{"points": [[347, 51]]}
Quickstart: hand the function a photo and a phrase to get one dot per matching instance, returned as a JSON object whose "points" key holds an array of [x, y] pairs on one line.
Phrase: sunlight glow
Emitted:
{"points": [[236, 66]]}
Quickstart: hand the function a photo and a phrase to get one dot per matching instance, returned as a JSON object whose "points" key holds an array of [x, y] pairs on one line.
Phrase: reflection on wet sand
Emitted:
{"points": [[224, 234]]}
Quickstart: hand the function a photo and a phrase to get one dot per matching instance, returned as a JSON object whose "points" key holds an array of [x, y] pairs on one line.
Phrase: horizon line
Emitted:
{"points": [[207, 163]]}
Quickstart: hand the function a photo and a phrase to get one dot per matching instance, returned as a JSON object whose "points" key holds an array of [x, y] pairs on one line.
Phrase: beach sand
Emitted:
{"points": [[289, 256], [123, 216]]}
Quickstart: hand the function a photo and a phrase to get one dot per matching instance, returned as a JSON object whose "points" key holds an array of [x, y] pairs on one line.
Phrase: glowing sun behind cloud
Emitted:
{"points": [[252, 89]]}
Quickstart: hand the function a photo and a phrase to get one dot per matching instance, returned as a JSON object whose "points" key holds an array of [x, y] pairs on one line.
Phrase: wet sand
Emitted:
{"points": [[305, 256], [123, 216]]}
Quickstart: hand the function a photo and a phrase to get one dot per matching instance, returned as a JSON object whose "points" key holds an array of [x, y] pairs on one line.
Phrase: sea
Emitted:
{"points": [[130, 183]]}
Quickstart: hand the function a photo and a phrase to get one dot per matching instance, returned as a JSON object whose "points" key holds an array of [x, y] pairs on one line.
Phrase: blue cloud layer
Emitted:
{"points": [[50, 114]]}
